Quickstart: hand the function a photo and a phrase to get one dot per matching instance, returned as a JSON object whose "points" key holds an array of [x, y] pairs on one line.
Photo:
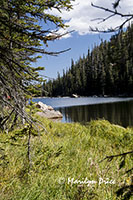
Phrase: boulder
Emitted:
{"points": [[43, 106], [48, 111], [50, 114], [75, 96]]}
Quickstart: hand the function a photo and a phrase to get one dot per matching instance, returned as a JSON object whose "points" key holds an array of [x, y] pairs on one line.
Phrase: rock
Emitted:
{"points": [[48, 111], [43, 106], [74, 95], [50, 114]]}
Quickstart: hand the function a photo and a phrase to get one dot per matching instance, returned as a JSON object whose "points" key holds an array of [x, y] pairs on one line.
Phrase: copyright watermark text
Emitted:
{"points": [[85, 181]]}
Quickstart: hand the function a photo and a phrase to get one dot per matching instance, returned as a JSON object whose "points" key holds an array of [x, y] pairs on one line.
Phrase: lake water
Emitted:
{"points": [[83, 109]]}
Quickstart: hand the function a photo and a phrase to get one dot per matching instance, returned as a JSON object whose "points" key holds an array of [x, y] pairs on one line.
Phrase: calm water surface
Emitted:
{"points": [[83, 109]]}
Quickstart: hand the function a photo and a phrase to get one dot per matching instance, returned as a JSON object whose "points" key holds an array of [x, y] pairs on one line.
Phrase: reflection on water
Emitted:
{"points": [[114, 109], [118, 113]]}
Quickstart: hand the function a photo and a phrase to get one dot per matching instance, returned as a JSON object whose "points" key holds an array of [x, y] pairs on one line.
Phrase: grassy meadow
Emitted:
{"points": [[64, 162]]}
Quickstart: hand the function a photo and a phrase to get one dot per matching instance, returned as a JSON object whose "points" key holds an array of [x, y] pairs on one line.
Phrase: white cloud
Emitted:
{"points": [[80, 18]]}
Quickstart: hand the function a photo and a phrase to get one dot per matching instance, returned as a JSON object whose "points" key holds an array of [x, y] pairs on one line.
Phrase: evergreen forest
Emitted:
{"points": [[106, 70]]}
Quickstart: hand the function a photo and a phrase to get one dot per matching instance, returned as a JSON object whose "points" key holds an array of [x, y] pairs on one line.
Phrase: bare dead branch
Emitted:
{"points": [[105, 19], [116, 4], [110, 30], [29, 148], [128, 17], [112, 11], [114, 156]]}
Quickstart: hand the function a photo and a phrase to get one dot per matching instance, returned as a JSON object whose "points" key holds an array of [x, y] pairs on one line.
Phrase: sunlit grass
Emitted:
{"points": [[64, 152]]}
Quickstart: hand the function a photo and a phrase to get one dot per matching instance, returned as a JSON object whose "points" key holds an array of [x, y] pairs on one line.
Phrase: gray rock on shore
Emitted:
{"points": [[48, 111]]}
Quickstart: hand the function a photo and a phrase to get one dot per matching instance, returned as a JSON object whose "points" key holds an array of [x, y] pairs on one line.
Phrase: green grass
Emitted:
{"points": [[64, 152]]}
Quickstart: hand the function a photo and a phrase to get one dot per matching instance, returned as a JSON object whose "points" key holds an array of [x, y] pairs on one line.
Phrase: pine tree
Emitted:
{"points": [[23, 31], [106, 70]]}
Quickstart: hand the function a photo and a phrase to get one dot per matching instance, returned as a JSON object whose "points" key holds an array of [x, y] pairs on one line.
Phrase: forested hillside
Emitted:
{"points": [[106, 70]]}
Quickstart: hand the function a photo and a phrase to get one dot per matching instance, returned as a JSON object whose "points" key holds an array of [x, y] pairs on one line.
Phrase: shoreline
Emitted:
{"points": [[94, 96]]}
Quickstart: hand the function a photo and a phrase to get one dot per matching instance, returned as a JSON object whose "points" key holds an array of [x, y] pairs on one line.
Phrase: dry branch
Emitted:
{"points": [[127, 17]]}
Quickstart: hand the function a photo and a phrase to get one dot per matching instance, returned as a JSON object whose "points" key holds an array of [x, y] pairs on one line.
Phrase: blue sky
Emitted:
{"points": [[80, 19], [79, 45]]}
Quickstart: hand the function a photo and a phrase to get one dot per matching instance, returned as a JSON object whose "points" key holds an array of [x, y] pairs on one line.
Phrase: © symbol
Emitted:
{"points": [[61, 180]]}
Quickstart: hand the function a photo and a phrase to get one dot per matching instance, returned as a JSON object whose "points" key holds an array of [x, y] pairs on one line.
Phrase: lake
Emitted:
{"points": [[114, 109]]}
